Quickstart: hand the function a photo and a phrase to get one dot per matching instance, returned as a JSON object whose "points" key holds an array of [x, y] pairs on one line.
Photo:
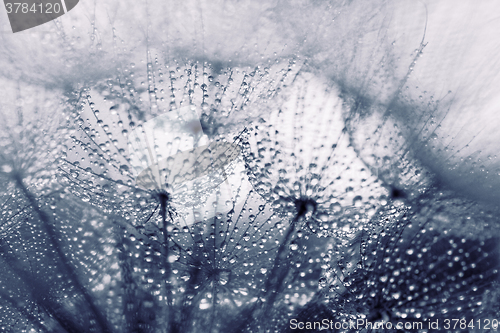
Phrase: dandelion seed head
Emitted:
{"points": [[301, 153], [401, 272]]}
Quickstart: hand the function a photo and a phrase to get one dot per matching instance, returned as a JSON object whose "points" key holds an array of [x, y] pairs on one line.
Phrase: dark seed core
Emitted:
{"points": [[304, 206]]}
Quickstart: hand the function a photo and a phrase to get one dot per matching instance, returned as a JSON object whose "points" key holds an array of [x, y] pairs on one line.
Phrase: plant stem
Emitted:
{"points": [[101, 321], [280, 269], [166, 263], [38, 291], [275, 280], [129, 287]]}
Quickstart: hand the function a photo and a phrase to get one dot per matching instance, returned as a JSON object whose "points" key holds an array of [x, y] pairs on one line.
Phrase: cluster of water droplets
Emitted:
{"points": [[402, 247], [97, 161], [308, 169], [193, 272], [338, 208], [414, 268], [300, 160]]}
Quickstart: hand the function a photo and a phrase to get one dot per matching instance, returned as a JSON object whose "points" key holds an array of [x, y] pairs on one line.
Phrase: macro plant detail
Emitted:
{"points": [[249, 167], [300, 160], [105, 134], [410, 270]]}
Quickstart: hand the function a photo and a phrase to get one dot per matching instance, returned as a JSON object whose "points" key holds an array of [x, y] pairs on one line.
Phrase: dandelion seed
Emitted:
{"points": [[359, 193], [301, 161], [411, 275]]}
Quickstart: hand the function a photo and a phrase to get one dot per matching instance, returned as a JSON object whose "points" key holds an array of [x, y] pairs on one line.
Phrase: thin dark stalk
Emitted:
{"points": [[192, 293], [163, 197], [100, 320], [129, 287], [38, 292], [276, 278]]}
